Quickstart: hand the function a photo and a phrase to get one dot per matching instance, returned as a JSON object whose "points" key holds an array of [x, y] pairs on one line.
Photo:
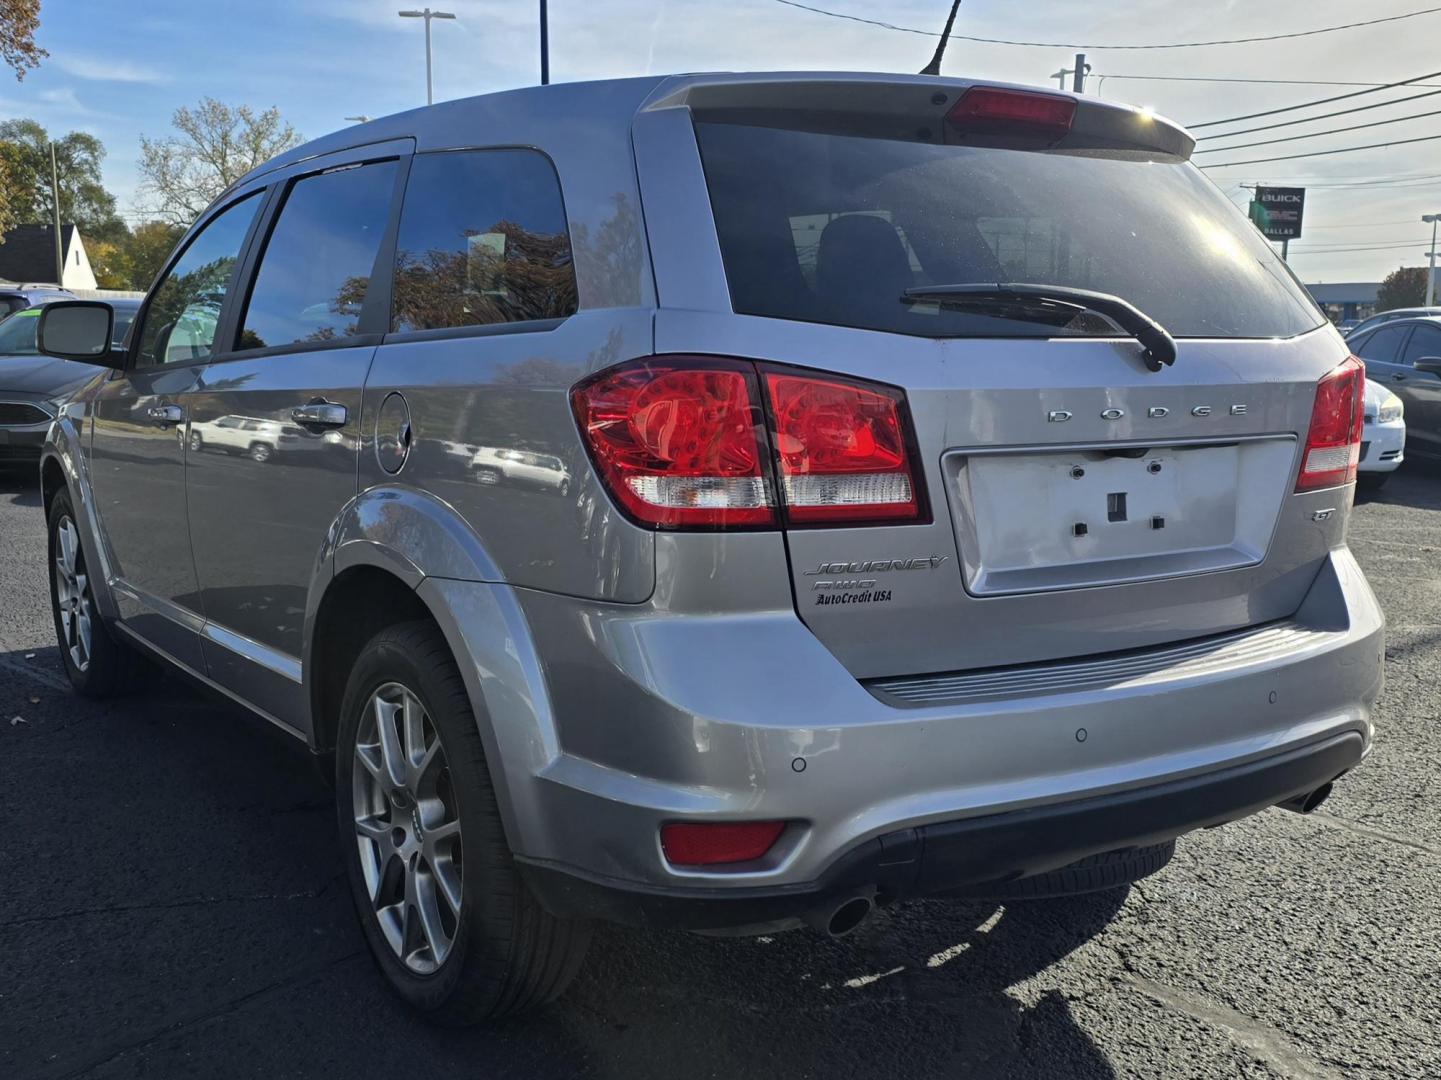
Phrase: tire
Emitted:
{"points": [[505, 953], [1092, 874], [98, 665], [260, 452], [197, 442], [1372, 481]]}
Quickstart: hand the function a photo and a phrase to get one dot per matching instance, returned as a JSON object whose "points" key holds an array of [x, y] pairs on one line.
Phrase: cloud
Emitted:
{"points": [[104, 70]]}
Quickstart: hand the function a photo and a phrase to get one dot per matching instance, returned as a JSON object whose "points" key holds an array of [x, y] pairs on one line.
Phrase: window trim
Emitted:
{"points": [[142, 314], [518, 326], [280, 194]]}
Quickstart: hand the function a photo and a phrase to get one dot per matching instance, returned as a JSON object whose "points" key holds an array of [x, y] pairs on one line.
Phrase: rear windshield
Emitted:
{"points": [[832, 229]]}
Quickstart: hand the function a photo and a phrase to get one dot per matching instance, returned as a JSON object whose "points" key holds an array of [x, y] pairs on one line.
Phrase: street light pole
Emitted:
{"points": [[427, 15], [1432, 219], [544, 46]]}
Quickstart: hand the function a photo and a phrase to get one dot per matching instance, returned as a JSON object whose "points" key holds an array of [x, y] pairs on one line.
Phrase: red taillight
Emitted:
{"points": [[678, 441], [681, 443], [714, 843], [841, 449], [992, 109], [1333, 443]]}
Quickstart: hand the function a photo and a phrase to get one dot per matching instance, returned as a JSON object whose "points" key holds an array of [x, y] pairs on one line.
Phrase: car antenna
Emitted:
{"points": [[934, 67]]}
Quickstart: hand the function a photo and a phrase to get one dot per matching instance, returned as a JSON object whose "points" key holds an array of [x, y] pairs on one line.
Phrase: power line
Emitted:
{"points": [[1082, 45], [1319, 116], [1269, 82], [1364, 225], [1318, 101], [1318, 134], [1322, 153]]}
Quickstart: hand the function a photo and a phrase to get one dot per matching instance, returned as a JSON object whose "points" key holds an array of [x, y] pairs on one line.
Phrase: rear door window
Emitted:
{"points": [[832, 228], [1425, 344], [314, 273], [483, 240], [1383, 345]]}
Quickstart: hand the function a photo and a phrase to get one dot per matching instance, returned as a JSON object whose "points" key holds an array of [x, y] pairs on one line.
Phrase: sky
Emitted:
{"points": [[120, 70]]}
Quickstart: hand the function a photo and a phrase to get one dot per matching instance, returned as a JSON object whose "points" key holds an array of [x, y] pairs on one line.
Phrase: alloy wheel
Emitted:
{"points": [[72, 594], [407, 828]]}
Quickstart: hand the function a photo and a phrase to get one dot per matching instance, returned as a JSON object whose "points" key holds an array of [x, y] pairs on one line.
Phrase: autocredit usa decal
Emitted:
{"points": [[857, 582]]}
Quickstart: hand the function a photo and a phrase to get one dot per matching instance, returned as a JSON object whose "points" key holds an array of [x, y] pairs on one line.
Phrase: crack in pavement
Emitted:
{"points": [[201, 901], [1268, 1044], [70, 1070], [42, 677], [1333, 822]]}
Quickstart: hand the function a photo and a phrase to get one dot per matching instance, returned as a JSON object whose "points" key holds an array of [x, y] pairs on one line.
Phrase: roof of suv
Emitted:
{"points": [[859, 94]]}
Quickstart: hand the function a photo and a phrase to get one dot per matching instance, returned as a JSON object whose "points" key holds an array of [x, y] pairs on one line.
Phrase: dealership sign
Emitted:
{"points": [[1277, 211]]}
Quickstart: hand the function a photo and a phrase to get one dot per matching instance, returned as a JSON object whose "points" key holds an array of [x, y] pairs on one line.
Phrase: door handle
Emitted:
{"points": [[1399, 376], [320, 414], [166, 414]]}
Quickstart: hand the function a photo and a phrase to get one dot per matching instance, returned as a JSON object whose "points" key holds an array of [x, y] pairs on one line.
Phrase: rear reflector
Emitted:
{"points": [[1333, 443], [715, 843], [992, 109], [842, 450], [682, 442]]}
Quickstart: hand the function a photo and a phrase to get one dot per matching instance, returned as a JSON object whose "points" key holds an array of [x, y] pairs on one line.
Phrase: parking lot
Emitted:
{"points": [[171, 905]]}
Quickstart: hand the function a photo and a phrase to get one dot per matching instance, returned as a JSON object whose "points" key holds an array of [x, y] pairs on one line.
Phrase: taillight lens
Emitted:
{"points": [[993, 109], [679, 442], [1333, 443], [682, 442], [714, 843], [841, 449]]}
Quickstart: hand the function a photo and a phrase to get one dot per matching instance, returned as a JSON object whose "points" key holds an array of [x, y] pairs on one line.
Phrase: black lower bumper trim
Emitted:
{"points": [[952, 855]]}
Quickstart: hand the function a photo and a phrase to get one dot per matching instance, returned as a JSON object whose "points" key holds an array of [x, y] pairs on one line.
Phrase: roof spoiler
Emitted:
{"points": [[910, 107]]}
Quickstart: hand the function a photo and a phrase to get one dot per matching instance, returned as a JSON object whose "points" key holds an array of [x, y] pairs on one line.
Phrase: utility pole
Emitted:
{"points": [[1431, 219], [1078, 73], [55, 205], [427, 15], [544, 46]]}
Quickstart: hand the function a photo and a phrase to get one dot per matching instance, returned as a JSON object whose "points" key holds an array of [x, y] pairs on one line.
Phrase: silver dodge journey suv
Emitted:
{"points": [[947, 494]]}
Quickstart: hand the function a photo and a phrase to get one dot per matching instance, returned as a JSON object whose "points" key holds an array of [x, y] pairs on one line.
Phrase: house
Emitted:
{"points": [[28, 255]]}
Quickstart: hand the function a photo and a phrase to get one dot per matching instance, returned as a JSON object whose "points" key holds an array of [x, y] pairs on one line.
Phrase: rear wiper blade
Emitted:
{"points": [[1160, 347]]}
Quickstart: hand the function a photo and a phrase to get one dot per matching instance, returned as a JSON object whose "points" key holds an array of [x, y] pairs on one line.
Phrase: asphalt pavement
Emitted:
{"points": [[171, 905]]}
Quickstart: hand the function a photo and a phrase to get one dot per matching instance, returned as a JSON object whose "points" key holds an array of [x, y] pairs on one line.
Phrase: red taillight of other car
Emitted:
{"points": [[687, 442], [1333, 443]]}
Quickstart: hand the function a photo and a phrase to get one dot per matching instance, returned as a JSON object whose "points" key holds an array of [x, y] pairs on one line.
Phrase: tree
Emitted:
{"points": [[7, 211], [144, 255], [25, 153], [1405, 287], [216, 146], [19, 19]]}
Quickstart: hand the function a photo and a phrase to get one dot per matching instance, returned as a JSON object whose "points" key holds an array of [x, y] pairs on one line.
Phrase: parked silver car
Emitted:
{"points": [[957, 500]]}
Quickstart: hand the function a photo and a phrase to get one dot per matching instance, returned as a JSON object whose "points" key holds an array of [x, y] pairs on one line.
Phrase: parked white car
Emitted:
{"points": [[254, 436], [493, 464], [1383, 440]]}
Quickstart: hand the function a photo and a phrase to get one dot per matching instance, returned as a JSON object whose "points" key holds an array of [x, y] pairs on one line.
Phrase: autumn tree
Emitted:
{"points": [[19, 19], [1401, 288], [215, 145], [84, 200]]}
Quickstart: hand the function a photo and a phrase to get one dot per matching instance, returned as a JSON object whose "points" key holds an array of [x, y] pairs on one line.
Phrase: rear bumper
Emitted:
{"points": [[946, 856], [606, 721]]}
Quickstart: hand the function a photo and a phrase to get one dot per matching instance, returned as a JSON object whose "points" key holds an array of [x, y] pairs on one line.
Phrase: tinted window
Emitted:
{"points": [[1425, 344], [1383, 345], [482, 240], [9, 304], [17, 336], [185, 307], [832, 228], [315, 269]]}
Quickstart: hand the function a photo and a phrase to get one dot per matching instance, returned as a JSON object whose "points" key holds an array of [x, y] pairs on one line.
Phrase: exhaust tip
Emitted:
{"points": [[1305, 803], [848, 916]]}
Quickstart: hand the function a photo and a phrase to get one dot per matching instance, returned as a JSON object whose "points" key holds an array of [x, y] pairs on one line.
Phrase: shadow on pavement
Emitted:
{"points": [[20, 482], [184, 902]]}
